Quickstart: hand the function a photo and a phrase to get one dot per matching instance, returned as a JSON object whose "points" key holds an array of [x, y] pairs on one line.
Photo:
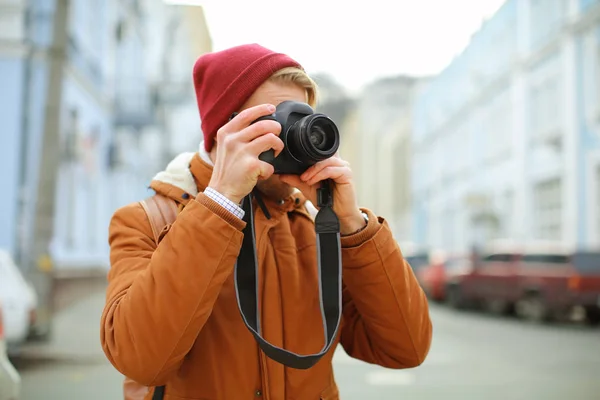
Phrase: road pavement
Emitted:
{"points": [[473, 357]]}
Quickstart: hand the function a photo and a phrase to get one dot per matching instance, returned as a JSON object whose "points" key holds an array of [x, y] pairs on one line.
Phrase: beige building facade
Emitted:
{"points": [[376, 141]]}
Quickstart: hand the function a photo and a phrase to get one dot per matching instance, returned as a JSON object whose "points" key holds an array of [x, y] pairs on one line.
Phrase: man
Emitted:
{"points": [[171, 317]]}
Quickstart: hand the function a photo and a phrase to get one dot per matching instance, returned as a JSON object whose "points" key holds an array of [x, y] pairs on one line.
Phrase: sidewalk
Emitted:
{"points": [[76, 333], [71, 365]]}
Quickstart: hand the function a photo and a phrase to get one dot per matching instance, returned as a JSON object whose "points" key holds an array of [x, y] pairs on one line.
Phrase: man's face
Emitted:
{"points": [[273, 93]]}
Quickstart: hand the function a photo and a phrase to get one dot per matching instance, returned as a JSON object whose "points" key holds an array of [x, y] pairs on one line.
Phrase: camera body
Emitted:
{"points": [[308, 138]]}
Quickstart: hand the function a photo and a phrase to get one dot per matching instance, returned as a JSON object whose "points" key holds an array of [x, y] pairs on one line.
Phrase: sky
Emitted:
{"points": [[355, 42]]}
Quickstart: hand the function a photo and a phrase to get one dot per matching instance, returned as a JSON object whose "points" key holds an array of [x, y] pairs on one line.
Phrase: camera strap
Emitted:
{"points": [[327, 228]]}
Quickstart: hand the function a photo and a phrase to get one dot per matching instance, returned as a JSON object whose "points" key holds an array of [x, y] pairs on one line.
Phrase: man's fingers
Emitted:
{"points": [[315, 169], [266, 142], [247, 116], [337, 174], [258, 129]]}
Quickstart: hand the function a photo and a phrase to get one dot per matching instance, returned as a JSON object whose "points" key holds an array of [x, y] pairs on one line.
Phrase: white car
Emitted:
{"points": [[19, 302], [10, 381]]}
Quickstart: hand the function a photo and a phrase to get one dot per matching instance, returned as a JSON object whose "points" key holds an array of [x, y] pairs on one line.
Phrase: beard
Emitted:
{"points": [[274, 189]]}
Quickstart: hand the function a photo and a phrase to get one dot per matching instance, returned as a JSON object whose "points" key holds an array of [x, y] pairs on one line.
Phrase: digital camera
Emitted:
{"points": [[308, 137]]}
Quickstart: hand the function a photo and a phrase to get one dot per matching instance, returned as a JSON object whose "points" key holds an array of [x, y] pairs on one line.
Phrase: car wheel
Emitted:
{"points": [[534, 309], [454, 297], [592, 316], [498, 307]]}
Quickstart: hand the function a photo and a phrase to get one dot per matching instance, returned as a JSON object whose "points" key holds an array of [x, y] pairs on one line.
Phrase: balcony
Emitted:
{"points": [[12, 22]]}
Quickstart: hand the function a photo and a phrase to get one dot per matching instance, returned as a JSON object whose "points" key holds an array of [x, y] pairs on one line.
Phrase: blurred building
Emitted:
{"points": [[506, 139], [12, 70], [333, 99], [376, 141], [125, 105]]}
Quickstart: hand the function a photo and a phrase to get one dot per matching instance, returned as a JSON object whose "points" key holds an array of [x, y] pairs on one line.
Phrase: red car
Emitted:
{"points": [[539, 282], [549, 283], [434, 276]]}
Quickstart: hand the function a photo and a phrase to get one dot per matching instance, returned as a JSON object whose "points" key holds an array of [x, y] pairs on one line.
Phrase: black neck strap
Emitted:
{"points": [[327, 227]]}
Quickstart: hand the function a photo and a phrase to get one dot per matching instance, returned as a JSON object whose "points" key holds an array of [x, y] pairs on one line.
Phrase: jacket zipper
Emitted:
{"points": [[263, 374]]}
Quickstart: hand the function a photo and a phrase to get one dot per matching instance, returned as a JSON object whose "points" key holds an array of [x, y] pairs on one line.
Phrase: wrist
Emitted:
{"points": [[234, 198], [352, 224]]}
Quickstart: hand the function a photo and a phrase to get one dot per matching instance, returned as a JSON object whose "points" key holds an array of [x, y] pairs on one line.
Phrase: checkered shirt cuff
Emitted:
{"points": [[229, 205]]}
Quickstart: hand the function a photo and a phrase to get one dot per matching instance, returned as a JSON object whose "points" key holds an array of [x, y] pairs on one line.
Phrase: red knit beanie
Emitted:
{"points": [[224, 80]]}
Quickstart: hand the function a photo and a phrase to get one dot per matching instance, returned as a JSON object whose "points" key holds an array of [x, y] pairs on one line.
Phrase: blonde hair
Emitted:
{"points": [[298, 77]]}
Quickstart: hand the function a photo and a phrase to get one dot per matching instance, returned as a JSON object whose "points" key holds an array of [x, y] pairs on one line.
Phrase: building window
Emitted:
{"points": [[591, 74], [450, 239], [548, 210], [547, 17], [597, 58], [509, 210], [597, 205], [499, 127], [546, 115], [461, 148]]}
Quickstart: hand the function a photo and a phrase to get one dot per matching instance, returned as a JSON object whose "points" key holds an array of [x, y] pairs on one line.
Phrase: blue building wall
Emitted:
{"points": [[35, 112], [588, 129], [11, 117], [83, 195], [85, 57], [460, 99], [488, 57]]}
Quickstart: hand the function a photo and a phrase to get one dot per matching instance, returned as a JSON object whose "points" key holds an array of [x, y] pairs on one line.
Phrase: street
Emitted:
{"points": [[473, 356]]}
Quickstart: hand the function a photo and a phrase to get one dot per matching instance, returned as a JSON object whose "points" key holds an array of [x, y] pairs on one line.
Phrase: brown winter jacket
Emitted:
{"points": [[171, 316]]}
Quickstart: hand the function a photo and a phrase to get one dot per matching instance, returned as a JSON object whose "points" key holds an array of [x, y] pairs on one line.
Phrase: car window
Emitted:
{"points": [[586, 262], [546, 258], [498, 257]]}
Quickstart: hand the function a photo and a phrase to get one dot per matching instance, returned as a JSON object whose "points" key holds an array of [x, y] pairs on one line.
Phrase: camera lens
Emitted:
{"points": [[314, 138], [317, 137]]}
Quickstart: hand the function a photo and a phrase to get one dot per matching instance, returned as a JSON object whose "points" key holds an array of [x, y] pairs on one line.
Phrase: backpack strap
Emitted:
{"points": [[161, 211]]}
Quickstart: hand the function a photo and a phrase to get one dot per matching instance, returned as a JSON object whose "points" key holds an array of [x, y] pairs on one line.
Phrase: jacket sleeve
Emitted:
{"points": [[159, 298], [385, 311]]}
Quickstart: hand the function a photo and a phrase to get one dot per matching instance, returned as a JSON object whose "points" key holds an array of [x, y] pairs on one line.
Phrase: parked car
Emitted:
{"points": [[538, 281], [550, 282], [10, 381], [19, 300], [434, 276], [475, 280]]}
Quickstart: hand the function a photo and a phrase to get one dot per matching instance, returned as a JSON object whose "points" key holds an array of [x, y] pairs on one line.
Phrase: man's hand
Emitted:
{"points": [[239, 143], [345, 203]]}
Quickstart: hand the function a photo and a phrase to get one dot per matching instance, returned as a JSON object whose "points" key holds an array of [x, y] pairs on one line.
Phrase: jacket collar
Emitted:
{"points": [[201, 172]]}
